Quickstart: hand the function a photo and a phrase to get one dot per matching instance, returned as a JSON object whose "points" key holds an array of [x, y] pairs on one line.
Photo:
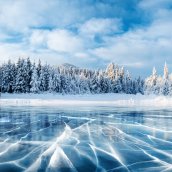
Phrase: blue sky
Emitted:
{"points": [[88, 33]]}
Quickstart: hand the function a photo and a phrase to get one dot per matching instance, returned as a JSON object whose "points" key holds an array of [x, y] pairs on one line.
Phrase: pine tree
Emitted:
{"points": [[128, 83], [56, 83], [94, 84], [1, 69], [170, 84], [39, 67], [44, 78], [20, 77], [103, 83], [8, 77], [165, 71], [63, 84], [34, 80], [51, 82], [140, 85], [111, 71], [28, 74], [165, 83], [24, 77], [84, 87], [151, 86]]}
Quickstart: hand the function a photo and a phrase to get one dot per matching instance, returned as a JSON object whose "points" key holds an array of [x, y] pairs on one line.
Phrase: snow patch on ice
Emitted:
{"points": [[85, 100]]}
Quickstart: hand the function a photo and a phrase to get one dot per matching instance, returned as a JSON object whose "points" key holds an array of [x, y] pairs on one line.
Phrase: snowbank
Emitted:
{"points": [[88, 99]]}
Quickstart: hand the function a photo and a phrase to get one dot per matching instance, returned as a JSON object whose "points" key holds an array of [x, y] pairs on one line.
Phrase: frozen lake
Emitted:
{"points": [[85, 139]]}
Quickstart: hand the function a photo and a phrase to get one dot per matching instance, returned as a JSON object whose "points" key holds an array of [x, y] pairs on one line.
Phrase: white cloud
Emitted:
{"points": [[20, 15], [59, 40], [38, 38], [142, 46], [152, 4], [81, 55], [14, 51], [147, 46], [100, 26], [64, 41]]}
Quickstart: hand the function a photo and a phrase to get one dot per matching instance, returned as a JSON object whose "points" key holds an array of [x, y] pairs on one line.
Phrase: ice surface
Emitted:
{"points": [[85, 139]]}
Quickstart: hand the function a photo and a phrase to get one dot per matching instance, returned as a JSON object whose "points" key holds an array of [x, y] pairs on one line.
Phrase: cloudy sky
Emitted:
{"points": [[89, 33]]}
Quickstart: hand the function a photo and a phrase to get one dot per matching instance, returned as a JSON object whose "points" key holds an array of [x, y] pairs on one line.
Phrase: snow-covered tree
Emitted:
{"points": [[128, 83], [165, 84], [165, 71], [117, 82], [28, 74], [103, 83], [20, 86], [44, 78], [83, 86], [110, 70], [34, 80], [151, 85], [25, 76], [140, 85], [8, 77], [94, 84]]}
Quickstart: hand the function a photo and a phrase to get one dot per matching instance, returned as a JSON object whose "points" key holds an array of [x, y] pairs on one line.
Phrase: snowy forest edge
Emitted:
{"points": [[27, 77]]}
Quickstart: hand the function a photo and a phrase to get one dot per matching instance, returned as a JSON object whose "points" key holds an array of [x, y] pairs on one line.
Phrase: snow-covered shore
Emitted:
{"points": [[87, 99]]}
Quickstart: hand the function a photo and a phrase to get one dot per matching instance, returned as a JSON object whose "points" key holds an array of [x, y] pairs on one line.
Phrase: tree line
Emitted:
{"points": [[27, 77]]}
